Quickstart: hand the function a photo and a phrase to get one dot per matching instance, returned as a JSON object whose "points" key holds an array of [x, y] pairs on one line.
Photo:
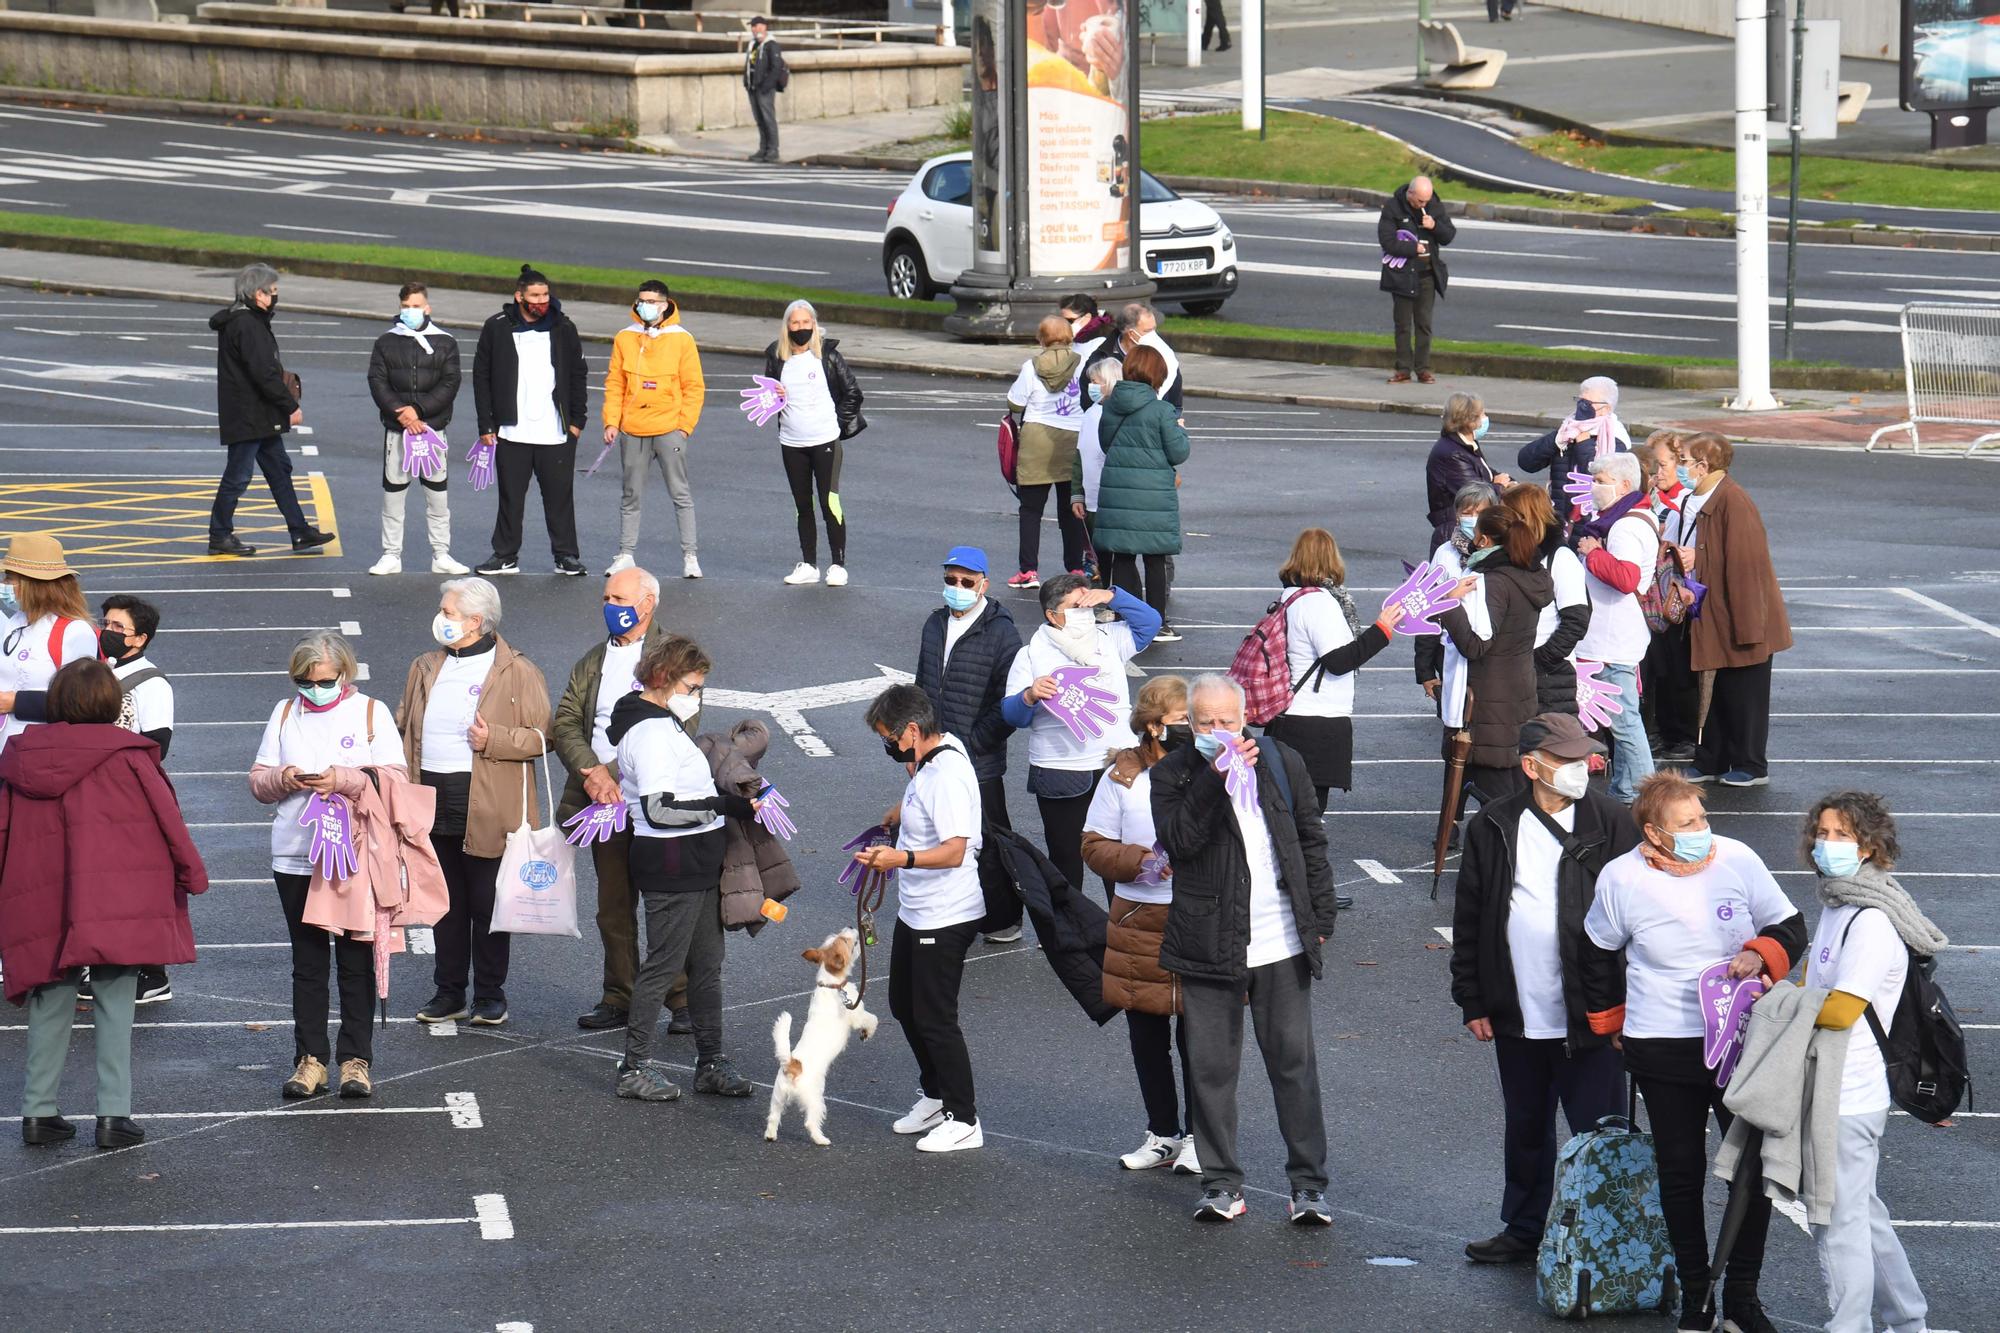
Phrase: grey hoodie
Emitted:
{"points": [[1787, 1084]]}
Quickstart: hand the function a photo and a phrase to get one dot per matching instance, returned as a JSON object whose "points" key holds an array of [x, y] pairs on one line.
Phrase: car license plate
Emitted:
{"points": [[1173, 267]]}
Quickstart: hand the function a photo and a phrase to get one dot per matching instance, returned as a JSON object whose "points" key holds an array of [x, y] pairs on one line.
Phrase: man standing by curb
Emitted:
{"points": [[1413, 229], [652, 399], [765, 75]]}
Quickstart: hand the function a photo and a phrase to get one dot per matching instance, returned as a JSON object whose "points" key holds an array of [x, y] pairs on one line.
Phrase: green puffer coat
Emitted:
{"points": [[1138, 507]]}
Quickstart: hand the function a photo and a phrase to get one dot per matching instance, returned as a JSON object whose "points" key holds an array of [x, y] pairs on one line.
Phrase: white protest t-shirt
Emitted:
{"points": [[1618, 632], [1315, 626], [941, 803], [152, 700], [621, 660], [1274, 931], [535, 418], [1571, 590], [809, 418], [1061, 409], [1125, 814], [1872, 964], [1456, 680], [313, 743], [33, 654], [657, 757], [1091, 452], [448, 714], [1531, 926], [1050, 743]]}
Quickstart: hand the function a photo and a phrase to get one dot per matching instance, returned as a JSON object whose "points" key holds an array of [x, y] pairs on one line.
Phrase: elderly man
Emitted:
{"points": [[1253, 903], [765, 75], [599, 680], [256, 401], [1526, 881], [1571, 446], [1137, 324], [1620, 547], [1412, 230]]}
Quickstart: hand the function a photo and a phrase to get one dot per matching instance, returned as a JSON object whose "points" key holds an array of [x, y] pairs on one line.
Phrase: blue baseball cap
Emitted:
{"points": [[966, 557]]}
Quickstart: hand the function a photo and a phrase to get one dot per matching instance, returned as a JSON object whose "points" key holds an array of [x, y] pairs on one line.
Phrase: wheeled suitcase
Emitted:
{"points": [[1605, 1248]]}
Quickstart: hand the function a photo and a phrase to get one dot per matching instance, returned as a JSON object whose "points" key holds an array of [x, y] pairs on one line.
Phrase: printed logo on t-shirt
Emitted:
{"points": [[1825, 954], [22, 655], [476, 690], [1726, 911], [347, 742]]}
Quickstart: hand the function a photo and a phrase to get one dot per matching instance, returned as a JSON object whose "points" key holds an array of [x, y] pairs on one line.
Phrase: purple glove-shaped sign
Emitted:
{"points": [[1398, 261], [1725, 1013], [480, 455], [1154, 870], [424, 452], [1079, 705], [771, 814], [1597, 701], [854, 875], [1422, 598], [332, 825], [1239, 775], [1577, 488], [763, 401], [596, 823], [602, 454]]}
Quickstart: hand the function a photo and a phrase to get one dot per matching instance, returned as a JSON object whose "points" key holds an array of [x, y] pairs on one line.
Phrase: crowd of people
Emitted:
{"points": [[1583, 911]]}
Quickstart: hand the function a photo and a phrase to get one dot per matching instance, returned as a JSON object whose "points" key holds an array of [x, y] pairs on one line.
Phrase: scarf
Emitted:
{"points": [[346, 693], [1600, 527], [1346, 600], [1078, 648], [1669, 864], [1872, 886], [422, 335]]}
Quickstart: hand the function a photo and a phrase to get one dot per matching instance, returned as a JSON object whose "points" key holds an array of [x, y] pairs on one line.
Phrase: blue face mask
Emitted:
{"points": [[1479, 431], [412, 317], [9, 604], [620, 620], [960, 599], [319, 696], [1468, 524], [1693, 847], [1209, 743], [1095, 390], [649, 312], [1685, 479], [1836, 859]]}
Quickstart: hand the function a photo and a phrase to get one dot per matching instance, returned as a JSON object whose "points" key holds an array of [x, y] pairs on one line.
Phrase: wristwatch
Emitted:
{"points": [[909, 859]]}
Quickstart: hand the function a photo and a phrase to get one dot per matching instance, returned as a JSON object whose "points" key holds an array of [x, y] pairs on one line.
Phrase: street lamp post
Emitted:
{"points": [[1753, 214]]}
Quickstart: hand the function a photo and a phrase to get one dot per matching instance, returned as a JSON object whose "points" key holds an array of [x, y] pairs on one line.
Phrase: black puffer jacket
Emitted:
{"points": [[967, 690], [251, 400], [496, 369], [1399, 215], [1208, 922], [840, 382], [402, 374], [1500, 671], [1069, 927], [1482, 966]]}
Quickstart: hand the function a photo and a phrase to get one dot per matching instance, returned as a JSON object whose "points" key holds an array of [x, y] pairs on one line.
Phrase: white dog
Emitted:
{"points": [[802, 1069]]}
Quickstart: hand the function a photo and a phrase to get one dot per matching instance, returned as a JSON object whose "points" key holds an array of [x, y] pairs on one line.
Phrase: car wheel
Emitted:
{"points": [[1199, 308], [908, 279]]}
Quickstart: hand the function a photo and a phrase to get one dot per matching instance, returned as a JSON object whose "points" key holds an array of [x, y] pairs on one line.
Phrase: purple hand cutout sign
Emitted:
{"points": [[763, 401], [1080, 705], [1577, 488], [424, 452], [854, 875], [1422, 598], [596, 823], [1239, 776], [771, 814], [602, 454], [480, 455], [332, 825], [1725, 1011], [1398, 261], [1597, 701], [1154, 870]]}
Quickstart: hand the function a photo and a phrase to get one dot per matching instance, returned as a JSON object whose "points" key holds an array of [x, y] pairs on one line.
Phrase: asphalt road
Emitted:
{"points": [[620, 1214], [1305, 264]]}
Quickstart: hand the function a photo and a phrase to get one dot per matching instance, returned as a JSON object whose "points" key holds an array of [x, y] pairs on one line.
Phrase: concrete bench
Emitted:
{"points": [[1456, 65], [1853, 96]]}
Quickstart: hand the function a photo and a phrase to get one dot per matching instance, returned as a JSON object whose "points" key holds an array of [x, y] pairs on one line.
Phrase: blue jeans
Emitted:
{"points": [[246, 457], [1631, 753]]}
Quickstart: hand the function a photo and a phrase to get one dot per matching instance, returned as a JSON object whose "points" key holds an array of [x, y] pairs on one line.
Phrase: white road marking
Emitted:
{"points": [[331, 231], [419, 940], [1444, 931], [350, 628], [1604, 333], [787, 707], [252, 1023], [462, 1107], [514, 1326], [1951, 612], [1954, 1226], [489, 1215], [747, 268], [495, 1223], [1795, 1210], [448, 1028], [1378, 872]]}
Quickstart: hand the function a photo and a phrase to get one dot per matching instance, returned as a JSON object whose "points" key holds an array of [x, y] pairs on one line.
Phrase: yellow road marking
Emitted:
{"points": [[131, 522]]}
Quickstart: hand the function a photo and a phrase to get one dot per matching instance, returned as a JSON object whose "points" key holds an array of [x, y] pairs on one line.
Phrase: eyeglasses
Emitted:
{"points": [[961, 580], [307, 682]]}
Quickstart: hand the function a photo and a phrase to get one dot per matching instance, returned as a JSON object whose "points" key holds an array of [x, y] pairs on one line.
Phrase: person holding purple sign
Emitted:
{"points": [[413, 376], [1505, 568], [1620, 546]]}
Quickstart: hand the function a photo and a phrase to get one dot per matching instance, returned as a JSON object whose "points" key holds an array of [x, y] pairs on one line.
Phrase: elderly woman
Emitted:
{"points": [[1571, 446], [1047, 398], [1457, 460], [1138, 496], [1742, 624], [1100, 381], [96, 867], [822, 407], [1563, 621], [474, 718], [1440, 666], [1505, 569], [1669, 691], [44, 624], [319, 739], [1679, 902]]}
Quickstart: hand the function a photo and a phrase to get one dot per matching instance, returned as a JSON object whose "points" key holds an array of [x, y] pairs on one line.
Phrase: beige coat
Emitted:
{"points": [[514, 706]]}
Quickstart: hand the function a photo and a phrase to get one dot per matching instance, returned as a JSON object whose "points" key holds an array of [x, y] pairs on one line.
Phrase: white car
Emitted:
{"points": [[1185, 247]]}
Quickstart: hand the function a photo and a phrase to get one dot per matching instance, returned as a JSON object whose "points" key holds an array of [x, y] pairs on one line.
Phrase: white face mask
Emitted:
{"points": [[684, 706], [448, 632], [1078, 621], [1604, 495], [1570, 780]]}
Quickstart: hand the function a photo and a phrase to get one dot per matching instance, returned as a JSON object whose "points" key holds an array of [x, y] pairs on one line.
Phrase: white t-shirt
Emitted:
{"points": [[1679, 528], [1618, 632], [1672, 928], [617, 681], [29, 663], [1091, 453], [1531, 926], [1571, 590], [1456, 680], [1873, 964], [1050, 744], [808, 418], [313, 743], [535, 418], [1061, 409], [657, 756], [1125, 814], [1314, 627], [941, 803], [152, 700], [448, 715], [1274, 931], [955, 627], [1159, 344]]}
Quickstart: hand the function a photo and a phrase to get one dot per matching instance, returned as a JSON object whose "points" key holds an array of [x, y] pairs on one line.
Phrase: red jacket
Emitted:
{"points": [[96, 864]]}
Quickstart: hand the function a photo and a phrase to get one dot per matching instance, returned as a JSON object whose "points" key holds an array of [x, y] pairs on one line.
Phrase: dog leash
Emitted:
{"points": [[867, 898]]}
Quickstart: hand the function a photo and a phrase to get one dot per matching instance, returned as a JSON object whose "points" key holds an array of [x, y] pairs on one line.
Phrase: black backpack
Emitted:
{"points": [[1924, 1047]]}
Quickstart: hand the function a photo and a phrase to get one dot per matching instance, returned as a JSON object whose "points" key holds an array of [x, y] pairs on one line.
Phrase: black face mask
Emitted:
{"points": [[901, 756], [1178, 735], [112, 644], [799, 337]]}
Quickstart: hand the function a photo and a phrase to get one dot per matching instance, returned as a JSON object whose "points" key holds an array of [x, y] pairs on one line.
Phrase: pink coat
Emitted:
{"points": [[398, 868]]}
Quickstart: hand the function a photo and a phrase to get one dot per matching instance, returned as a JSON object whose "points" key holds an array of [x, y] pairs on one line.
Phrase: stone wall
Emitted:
{"points": [[1868, 28]]}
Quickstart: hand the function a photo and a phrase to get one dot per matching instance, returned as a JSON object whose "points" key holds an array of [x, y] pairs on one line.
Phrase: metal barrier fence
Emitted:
{"points": [[1951, 367]]}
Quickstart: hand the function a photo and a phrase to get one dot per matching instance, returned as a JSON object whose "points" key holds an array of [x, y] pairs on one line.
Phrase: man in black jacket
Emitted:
{"points": [[968, 646], [765, 75], [1525, 883], [255, 403], [1253, 903], [1419, 279], [530, 386], [413, 376]]}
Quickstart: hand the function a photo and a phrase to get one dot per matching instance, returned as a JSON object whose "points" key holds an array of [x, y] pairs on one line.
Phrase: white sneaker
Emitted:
{"points": [[1155, 1151], [388, 564], [444, 564], [951, 1136], [836, 576], [690, 567], [1186, 1163], [927, 1114], [619, 564], [802, 573]]}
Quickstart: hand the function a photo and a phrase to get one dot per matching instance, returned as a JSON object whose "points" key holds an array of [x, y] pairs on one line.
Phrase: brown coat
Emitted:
{"points": [[755, 865], [514, 706], [1742, 621], [1133, 977]]}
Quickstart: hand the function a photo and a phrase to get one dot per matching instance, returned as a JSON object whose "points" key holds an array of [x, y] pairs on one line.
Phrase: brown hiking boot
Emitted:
{"points": [[354, 1080], [307, 1079]]}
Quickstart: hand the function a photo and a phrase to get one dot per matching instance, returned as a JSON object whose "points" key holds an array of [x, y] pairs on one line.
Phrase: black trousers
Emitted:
{"points": [[1671, 696], [1536, 1077], [683, 936], [466, 942], [245, 458], [925, 968], [1034, 499], [552, 467], [1214, 20], [993, 807], [1737, 735], [764, 110], [807, 469], [1154, 1039], [1413, 325], [1125, 574], [314, 955], [1495, 8], [1062, 834], [1679, 1095]]}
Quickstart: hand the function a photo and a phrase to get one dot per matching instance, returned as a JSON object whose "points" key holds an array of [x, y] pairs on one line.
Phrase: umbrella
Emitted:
{"points": [[1457, 750], [1706, 696], [1749, 1178]]}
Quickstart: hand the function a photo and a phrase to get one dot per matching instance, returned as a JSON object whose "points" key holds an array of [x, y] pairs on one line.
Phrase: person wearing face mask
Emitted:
{"points": [[963, 658], [676, 814], [1506, 571], [1680, 901], [1668, 687], [1870, 934], [1100, 381], [1525, 881], [1088, 325], [1062, 769], [1591, 429], [44, 626], [653, 395], [1138, 488], [1440, 666], [822, 409], [532, 391], [1620, 547], [319, 740], [474, 718], [1457, 460], [1564, 621], [1045, 397], [413, 377]]}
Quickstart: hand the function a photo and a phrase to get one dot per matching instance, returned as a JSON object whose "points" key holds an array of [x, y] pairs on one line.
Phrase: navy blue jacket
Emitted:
{"points": [[967, 691]]}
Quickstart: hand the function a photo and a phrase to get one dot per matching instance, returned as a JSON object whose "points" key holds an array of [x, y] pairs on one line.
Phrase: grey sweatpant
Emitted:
{"points": [[395, 482], [1859, 1256], [670, 452], [52, 1017], [1281, 1008]]}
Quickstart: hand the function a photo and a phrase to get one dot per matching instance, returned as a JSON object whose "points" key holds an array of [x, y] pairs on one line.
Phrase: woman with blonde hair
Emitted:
{"points": [[822, 407], [1048, 401], [44, 623]]}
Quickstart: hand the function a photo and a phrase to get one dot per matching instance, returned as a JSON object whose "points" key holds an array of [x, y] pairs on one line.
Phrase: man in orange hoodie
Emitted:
{"points": [[652, 400]]}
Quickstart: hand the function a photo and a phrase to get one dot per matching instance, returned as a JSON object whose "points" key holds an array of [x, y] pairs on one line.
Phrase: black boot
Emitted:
{"points": [[39, 1129], [118, 1131]]}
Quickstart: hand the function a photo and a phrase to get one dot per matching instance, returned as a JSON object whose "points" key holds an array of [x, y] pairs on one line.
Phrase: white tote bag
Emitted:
{"points": [[535, 893]]}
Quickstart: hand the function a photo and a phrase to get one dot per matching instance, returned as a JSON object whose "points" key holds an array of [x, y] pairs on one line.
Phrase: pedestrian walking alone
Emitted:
{"points": [[413, 376], [822, 408], [1412, 231], [256, 402], [1047, 398], [531, 388], [653, 396], [1213, 20], [765, 75]]}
